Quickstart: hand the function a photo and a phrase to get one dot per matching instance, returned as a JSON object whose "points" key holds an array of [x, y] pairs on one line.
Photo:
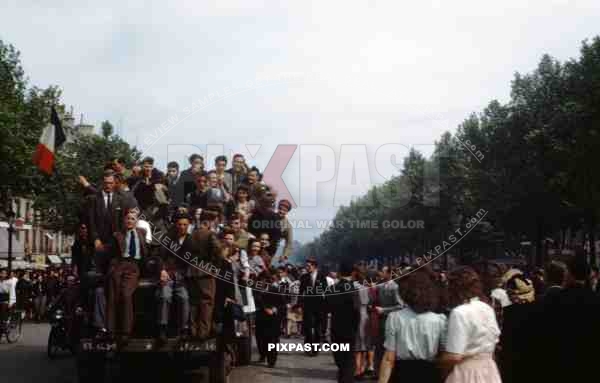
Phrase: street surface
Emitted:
{"points": [[26, 361]]}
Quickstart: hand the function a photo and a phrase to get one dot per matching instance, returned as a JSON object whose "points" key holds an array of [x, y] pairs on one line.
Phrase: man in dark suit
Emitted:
{"points": [[172, 277], [342, 302], [312, 288], [570, 330], [123, 275], [107, 208], [268, 301], [555, 273]]}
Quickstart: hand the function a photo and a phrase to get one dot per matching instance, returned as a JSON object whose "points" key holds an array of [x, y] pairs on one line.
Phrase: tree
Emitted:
{"points": [[24, 111], [107, 129], [85, 156], [535, 179]]}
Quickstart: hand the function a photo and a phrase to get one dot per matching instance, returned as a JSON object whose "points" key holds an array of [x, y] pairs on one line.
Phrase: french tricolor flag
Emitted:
{"points": [[52, 138]]}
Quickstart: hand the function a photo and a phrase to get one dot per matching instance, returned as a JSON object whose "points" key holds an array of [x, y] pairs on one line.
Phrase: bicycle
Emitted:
{"points": [[12, 326]]}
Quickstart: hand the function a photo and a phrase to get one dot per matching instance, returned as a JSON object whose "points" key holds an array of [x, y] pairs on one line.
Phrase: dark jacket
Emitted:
{"points": [[342, 302], [83, 256], [206, 252], [103, 223], [269, 298], [266, 221], [188, 180], [517, 341], [225, 289], [121, 242], [176, 192], [312, 297], [174, 255], [233, 181], [197, 200], [568, 333]]}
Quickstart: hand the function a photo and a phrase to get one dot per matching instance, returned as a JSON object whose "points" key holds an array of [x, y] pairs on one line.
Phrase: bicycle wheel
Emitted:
{"points": [[13, 329]]}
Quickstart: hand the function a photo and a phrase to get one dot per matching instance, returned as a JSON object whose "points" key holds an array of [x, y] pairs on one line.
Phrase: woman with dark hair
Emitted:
{"points": [[414, 335], [243, 204], [472, 332]]}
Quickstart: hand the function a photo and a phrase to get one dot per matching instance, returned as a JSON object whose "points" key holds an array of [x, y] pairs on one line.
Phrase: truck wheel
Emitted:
{"points": [[91, 368], [244, 349]]}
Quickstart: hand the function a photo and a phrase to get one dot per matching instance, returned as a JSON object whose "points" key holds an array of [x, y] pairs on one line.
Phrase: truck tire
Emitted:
{"points": [[91, 368]]}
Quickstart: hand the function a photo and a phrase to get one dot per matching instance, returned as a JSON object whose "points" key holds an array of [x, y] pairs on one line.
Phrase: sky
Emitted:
{"points": [[351, 85]]}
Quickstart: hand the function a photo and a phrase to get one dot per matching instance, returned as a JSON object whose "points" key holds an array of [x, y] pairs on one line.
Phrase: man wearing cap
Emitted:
{"points": [[202, 284], [312, 288], [172, 277]]}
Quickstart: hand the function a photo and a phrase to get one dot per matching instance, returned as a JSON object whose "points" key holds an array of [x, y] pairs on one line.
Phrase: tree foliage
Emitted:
{"points": [[24, 111], [530, 163]]}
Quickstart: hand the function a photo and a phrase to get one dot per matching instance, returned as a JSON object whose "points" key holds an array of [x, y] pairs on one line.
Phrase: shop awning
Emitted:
{"points": [[55, 260]]}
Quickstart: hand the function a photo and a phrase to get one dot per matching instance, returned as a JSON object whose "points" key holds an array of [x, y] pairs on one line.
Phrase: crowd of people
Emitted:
{"points": [[218, 241], [481, 323], [202, 234], [31, 290]]}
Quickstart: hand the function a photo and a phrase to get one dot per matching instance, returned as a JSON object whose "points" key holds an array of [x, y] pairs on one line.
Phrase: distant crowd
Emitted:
{"points": [[481, 323]]}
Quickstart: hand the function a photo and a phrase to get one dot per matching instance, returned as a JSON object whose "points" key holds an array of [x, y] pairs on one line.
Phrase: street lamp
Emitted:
{"points": [[10, 217]]}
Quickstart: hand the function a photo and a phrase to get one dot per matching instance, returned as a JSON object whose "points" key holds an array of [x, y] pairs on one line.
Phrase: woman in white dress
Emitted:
{"points": [[472, 332]]}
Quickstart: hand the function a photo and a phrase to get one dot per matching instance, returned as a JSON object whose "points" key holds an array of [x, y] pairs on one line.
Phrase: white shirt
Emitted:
{"points": [[330, 281], [501, 296], [105, 194], [138, 254], [414, 336], [313, 277], [472, 329], [146, 226], [9, 286]]}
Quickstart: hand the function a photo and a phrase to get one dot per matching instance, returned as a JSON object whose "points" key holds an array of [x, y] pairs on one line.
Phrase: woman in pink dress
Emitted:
{"points": [[472, 332]]}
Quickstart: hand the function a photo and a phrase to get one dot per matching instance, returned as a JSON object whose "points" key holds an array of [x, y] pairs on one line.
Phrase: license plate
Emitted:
{"points": [[208, 346], [98, 346]]}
